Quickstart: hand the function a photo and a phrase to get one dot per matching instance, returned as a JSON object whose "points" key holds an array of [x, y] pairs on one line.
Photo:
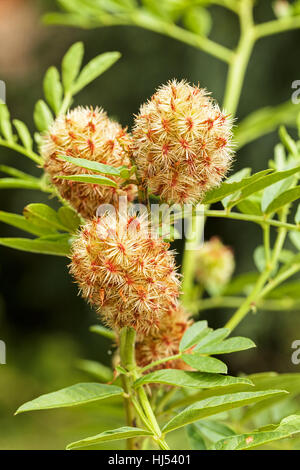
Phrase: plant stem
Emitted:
{"points": [[251, 218], [18, 148], [277, 26], [193, 240], [235, 302], [176, 32], [266, 233], [263, 278], [241, 58], [249, 301], [66, 103], [127, 341], [160, 361], [278, 280], [145, 412]]}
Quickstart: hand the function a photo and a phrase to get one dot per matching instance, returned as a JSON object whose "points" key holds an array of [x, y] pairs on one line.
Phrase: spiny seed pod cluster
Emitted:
{"points": [[86, 133], [215, 265], [126, 272], [182, 143], [164, 341]]}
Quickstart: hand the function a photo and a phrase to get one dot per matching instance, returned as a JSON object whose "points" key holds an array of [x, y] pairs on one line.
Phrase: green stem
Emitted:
{"points": [[145, 412], [279, 280], [176, 32], [66, 103], [127, 343], [193, 240], [249, 301], [160, 361], [238, 66], [235, 302], [277, 26], [251, 218], [266, 233], [18, 148]]}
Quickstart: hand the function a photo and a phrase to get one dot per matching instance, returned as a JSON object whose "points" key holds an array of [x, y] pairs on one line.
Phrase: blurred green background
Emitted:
{"points": [[42, 320]]}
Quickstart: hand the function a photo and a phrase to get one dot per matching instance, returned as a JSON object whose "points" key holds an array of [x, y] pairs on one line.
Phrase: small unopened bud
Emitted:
{"points": [[182, 143], [215, 265]]}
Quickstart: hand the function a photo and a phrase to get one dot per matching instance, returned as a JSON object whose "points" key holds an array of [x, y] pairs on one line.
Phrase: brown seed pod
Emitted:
{"points": [[182, 143], [125, 271], [164, 340], [86, 133]]}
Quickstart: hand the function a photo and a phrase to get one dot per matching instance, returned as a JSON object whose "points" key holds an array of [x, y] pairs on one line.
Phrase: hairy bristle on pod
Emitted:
{"points": [[126, 272], [86, 133], [182, 143]]}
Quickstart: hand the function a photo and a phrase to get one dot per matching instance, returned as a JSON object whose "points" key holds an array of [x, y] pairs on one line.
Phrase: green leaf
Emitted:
{"points": [[214, 337], [10, 183], [96, 370], [43, 215], [226, 189], [20, 222], [182, 378], [69, 218], [9, 170], [251, 206], [24, 134], [205, 364], [5, 124], [71, 64], [287, 427], [79, 394], [125, 432], [235, 178], [94, 69], [76, 20], [195, 438], [193, 334], [283, 199], [102, 331], [259, 258], [214, 405], [92, 179], [238, 343], [271, 380], [53, 89], [274, 190], [265, 182], [94, 166], [45, 247], [42, 116], [264, 121], [198, 20]]}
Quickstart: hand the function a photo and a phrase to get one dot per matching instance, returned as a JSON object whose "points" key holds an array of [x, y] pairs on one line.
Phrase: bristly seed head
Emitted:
{"points": [[86, 133], [130, 278], [182, 131], [164, 340]]}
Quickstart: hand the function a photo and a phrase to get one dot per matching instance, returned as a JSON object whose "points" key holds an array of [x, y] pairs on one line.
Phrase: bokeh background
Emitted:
{"points": [[42, 320]]}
